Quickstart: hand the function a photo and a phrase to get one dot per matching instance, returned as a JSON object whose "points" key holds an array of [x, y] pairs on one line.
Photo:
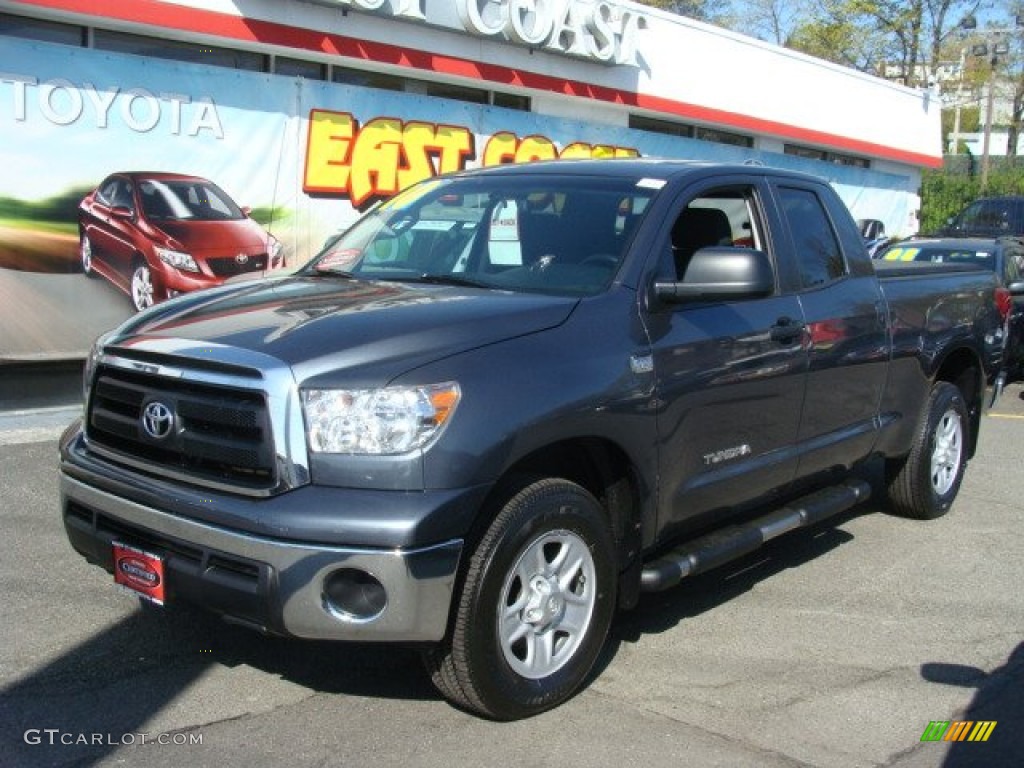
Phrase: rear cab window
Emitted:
{"points": [[817, 250]]}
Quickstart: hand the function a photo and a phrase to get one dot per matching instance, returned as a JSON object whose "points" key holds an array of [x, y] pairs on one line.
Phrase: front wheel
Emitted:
{"points": [[535, 608], [85, 255], [142, 287], [924, 484]]}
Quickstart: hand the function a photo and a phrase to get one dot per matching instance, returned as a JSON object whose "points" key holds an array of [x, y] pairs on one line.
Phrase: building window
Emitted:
{"points": [[723, 137], [45, 31], [642, 123], [836, 158], [311, 70], [458, 93], [367, 79], [511, 101], [178, 50], [653, 124]]}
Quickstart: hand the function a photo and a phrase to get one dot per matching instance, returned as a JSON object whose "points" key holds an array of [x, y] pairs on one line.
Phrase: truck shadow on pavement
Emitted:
{"points": [[661, 611], [124, 686], [145, 673], [999, 699]]}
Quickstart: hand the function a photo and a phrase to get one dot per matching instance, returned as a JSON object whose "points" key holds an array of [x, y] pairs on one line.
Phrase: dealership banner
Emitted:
{"points": [[302, 158]]}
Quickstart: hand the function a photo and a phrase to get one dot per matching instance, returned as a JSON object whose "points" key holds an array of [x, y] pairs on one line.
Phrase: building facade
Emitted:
{"points": [[308, 111]]}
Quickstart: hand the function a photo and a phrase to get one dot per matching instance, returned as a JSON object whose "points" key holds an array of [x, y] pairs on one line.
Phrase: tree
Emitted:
{"points": [[835, 31], [710, 11], [904, 40], [771, 20]]}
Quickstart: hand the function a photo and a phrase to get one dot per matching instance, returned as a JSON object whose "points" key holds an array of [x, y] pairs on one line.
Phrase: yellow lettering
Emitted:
{"points": [[455, 144], [421, 142], [327, 151], [579, 149], [375, 160], [387, 155], [535, 148], [500, 149]]}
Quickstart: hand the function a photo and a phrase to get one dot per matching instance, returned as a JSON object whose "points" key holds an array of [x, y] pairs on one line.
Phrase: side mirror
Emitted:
{"points": [[1016, 288], [721, 274], [246, 210]]}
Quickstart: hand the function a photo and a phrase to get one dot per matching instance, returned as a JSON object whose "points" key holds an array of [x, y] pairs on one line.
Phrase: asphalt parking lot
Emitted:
{"points": [[836, 646]]}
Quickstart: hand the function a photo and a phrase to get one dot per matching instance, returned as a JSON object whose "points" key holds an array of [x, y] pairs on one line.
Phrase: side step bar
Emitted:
{"points": [[720, 547]]}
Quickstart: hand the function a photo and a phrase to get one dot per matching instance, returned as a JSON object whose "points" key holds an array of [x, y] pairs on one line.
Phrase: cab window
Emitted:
{"points": [[818, 255], [723, 217]]}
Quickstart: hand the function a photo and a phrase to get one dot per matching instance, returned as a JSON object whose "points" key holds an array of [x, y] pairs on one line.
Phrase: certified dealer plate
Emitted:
{"points": [[139, 571]]}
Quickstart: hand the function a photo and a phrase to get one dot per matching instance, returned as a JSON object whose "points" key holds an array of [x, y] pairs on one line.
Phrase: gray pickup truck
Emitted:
{"points": [[506, 402]]}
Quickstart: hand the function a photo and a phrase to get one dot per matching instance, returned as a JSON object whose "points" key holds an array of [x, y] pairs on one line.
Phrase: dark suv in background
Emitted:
{"points": [[989, 217]]}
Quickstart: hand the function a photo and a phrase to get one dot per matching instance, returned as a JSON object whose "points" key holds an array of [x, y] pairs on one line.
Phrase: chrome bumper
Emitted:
{"points": [[418, 583]]}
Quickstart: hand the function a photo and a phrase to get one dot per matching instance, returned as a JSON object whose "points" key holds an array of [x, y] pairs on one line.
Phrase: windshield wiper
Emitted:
{"points": [[317, 272], [451, 279]]}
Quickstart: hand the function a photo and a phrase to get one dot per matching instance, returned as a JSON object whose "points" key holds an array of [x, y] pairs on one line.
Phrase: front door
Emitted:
{"points": [[730, 375]]}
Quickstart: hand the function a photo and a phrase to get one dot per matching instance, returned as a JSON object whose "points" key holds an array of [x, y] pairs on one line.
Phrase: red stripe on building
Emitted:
{"points": [[197, 21]]}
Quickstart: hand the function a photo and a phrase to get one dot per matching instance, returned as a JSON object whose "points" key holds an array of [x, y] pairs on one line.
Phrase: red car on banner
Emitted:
{"points": [[155, 235]]}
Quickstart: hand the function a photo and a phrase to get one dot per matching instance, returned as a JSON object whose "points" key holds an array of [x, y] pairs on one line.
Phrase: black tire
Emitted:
{"points": [[563, 608], [924, 484], [85, 255]]}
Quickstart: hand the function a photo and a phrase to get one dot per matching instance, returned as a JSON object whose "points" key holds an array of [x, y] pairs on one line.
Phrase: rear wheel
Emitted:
{"points": [[85, 255], [142, 287], [924, 484], [535, 608]]}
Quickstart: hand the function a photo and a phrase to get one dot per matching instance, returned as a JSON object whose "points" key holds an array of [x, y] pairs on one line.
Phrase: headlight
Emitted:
{"points": [[177, 259], [377, 421]]}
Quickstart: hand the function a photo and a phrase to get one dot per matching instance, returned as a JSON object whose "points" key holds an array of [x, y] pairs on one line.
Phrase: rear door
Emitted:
{"points": [[847, 340], [730, 375]]}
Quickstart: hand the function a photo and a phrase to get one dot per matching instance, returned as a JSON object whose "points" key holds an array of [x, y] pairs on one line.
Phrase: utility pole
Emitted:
{"points": [[987, 137], [994, 47]]}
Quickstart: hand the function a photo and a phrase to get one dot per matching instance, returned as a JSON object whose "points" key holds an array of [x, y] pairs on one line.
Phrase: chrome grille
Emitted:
{"points": [[218, 434], [225, 267]]}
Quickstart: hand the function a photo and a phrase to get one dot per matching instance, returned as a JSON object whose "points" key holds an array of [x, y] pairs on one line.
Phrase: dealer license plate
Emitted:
{"points": [[140, 572]]}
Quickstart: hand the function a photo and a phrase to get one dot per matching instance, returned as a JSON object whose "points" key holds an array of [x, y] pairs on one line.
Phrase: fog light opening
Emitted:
{"points": [[354, 596]]}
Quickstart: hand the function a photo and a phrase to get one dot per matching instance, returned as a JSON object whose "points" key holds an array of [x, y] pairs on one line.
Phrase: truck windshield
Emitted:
{"points": [[563, 235]]}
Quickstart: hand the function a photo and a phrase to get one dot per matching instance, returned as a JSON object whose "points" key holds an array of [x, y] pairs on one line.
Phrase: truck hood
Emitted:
{"points": [[360, 333]]}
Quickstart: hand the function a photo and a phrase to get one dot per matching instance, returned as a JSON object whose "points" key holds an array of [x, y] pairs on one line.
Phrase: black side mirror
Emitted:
{"points": [[721, 274], [1016, 288]]}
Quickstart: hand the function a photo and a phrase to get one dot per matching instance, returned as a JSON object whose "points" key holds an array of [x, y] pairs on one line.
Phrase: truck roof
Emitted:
{"points": [[633, 167]]}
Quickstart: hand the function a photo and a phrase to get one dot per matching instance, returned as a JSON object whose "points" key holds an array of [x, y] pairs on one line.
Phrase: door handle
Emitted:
{"points": [[786, 329]]}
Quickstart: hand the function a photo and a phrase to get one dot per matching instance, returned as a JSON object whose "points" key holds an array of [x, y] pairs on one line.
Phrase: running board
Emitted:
{"points": [[720, 547]]}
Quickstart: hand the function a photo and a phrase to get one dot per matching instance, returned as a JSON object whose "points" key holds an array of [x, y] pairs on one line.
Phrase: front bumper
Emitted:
{"points": [[273, 585]]}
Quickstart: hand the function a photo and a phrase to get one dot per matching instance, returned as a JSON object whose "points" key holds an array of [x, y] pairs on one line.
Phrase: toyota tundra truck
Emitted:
{"points": [[507, 402]]}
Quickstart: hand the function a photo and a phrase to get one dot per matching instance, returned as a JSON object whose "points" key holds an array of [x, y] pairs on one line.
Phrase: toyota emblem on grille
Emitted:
{"points": [[157, 420], [242, 258]]}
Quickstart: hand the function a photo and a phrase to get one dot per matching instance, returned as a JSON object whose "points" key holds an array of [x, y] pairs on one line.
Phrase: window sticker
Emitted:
{"points": [[651, 183], [901, 254]]}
